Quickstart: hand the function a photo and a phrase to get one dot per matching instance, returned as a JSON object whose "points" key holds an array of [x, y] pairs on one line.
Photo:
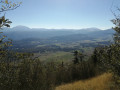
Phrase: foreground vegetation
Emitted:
{"points": [[26, 73]]}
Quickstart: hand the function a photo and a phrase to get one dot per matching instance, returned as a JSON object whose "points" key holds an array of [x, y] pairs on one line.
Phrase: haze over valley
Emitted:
{"points": [[37, 39]]}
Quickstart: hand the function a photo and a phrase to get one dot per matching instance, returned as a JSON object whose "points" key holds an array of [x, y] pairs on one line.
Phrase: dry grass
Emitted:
{"points": [[101, 82]]}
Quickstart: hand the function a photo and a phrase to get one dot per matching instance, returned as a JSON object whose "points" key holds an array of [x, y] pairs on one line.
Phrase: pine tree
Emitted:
{"points": [[75, 61]]}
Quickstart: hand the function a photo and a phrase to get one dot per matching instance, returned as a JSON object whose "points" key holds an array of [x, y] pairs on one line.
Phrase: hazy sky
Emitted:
{"points": [[63, 13]]}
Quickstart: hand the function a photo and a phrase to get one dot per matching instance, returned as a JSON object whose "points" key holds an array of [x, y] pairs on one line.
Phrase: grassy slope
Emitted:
{"points": [[101, 82]]}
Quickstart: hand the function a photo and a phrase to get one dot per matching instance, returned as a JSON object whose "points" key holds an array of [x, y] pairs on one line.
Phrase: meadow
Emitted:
{"points": [[101, 82]]}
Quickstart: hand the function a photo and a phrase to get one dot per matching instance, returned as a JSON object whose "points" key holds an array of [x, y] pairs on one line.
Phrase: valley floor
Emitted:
{"points": [[102, 82]]}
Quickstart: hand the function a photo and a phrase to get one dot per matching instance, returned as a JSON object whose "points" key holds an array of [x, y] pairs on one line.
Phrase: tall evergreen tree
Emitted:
{"points": [[75, 57]]}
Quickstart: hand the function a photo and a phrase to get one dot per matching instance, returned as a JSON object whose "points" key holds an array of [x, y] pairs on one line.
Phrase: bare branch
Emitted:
{"points": [[3, 10], [6, 6]]}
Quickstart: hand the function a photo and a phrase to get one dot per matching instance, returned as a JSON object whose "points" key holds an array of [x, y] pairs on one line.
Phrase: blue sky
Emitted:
{"points": [[75, 14]]}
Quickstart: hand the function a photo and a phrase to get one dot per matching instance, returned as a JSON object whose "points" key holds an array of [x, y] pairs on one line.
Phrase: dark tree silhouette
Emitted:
{"points": [[75, 57]]}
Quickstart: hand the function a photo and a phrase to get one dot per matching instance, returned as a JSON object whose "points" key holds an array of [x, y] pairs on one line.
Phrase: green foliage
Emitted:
{"points": [[20, 71], [78, 57], [117, 29], [4, 22]]}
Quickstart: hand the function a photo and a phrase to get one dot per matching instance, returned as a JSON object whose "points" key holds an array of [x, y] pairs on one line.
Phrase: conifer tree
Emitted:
{"points": [[75, 57]]}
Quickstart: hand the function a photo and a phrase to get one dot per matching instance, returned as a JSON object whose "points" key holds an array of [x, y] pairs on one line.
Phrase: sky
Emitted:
{"points": [[67, 14]]}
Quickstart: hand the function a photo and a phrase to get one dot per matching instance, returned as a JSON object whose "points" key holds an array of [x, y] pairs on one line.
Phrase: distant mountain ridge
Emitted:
{"points": [[23, 32], [20, 27]]}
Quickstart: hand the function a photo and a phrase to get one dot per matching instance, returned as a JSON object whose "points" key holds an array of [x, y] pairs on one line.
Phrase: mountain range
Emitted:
{"points": [[23, 32]]}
